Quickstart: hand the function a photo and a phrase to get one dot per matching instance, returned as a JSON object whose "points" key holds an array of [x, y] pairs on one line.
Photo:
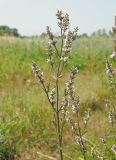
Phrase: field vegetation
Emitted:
{"points": [[26, 127]]}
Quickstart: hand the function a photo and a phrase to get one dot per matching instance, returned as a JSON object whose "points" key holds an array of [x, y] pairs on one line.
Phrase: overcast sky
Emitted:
{"points": [[31, 16]]}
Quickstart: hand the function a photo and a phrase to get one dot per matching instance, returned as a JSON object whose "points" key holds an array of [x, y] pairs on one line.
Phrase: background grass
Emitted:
{"points": [[26, 125]]}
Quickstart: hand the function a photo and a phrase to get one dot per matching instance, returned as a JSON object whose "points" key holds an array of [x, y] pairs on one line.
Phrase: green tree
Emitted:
{"points": [[5, 30]]}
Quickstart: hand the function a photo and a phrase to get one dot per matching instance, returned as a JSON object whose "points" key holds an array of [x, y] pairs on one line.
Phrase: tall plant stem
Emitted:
{"points": [[81, 139], [58, 121], [59, 134]]}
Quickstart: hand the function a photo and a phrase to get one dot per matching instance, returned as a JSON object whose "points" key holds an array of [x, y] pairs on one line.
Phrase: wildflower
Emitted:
{"points": [[106, 103], [111, 116], [62, 58], [66, 59], [87, 116], [71, 124], [69, 120], [37, 71], [69, 88], [113, 55], [100, 157], [49, 33], [63, 20], [70, 82], [64, 104], [68, 42], [74, 71], [67, 114], [103, 141], [75, 105], [51, 61], [50, 53], [52, 96]]}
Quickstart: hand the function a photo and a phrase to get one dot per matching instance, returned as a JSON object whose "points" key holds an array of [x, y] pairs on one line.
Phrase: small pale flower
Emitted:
{"points": [[37, 71], [49, 33], [67, 114], [66, 59], [113, 55], [87, 116], [52, 96], [100, 157], [75, 106], [103, 140]]}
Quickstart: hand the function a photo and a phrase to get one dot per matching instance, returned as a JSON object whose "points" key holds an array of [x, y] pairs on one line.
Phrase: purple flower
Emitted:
{"points": [[113, 55]]}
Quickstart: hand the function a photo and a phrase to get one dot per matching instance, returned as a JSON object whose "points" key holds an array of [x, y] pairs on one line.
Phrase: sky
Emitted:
{"points": [[31, 17]]}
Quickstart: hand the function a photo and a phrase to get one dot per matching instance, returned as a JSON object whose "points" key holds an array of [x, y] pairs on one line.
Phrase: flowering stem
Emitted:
{"points": [[57, 104], [56, 50], [44, 88], [62, 42], [62, 57], [58, 120], [82, 143]]}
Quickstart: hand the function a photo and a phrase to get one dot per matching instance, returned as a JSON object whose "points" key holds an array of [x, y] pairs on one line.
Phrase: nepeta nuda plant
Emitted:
{"points": [[111, 103], [62, 55], [75, 122], [111, 72], [70, 108]]}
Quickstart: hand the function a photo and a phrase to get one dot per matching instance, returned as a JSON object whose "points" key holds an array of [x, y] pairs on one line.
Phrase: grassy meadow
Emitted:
{"points": [[26, 126]]}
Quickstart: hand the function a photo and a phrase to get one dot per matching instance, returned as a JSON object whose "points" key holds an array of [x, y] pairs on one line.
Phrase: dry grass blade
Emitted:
{"points": [[46, 156]]}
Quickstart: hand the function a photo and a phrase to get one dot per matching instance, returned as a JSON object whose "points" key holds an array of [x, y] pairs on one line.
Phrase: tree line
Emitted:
{"points": [[5, 30]]}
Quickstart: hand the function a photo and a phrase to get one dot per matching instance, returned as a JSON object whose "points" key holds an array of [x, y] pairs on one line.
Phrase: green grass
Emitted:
{"points": [[25, 115]]}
